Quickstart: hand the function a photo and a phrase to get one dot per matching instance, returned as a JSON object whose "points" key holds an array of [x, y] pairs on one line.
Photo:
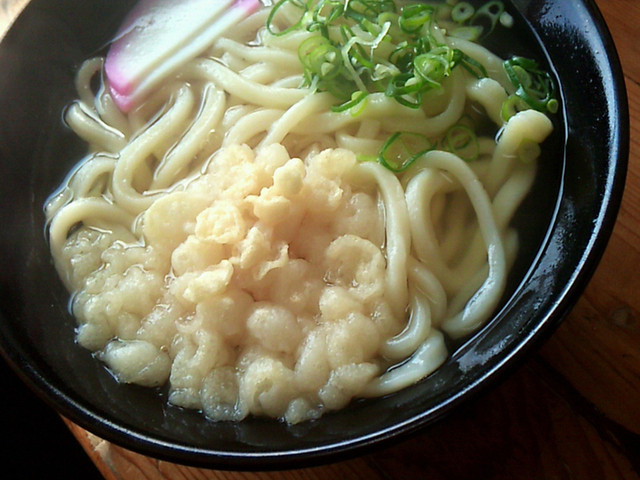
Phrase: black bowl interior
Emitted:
{"points": [[576, 200]]}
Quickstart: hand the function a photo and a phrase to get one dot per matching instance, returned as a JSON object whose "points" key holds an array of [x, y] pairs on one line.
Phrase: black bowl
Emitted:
{"points": [[578, 193]]}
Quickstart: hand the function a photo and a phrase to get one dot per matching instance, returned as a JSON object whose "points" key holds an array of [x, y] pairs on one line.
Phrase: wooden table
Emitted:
{"points": [[571, 411]]}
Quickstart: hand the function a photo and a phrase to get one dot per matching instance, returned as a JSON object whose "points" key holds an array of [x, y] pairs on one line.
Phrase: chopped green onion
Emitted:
{"points": [[361, 47], [462, 12], [274, 10], [553, 105], [361, 9], [335, 10], [506, 20], [462, 141], [344, 55], [533, 85], [474, 67], [488, 16], [433, 67], [414, 17], [402, 149], [357, 98], [512, 105], [404, 91], [320, 58]]}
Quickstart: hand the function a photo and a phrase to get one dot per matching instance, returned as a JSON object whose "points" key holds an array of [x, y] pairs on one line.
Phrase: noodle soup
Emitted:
{"points": [[309, 211]]}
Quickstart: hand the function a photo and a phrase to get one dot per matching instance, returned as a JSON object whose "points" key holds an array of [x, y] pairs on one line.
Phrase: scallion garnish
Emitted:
{"points": [[357, 98], [461, 12], [371, 46], [402, 149], [533, 85], [414, 17], [512, 105], [475, 24], [299, 4], [361, 47], [488, 16], [462, 141], [474, 67]]}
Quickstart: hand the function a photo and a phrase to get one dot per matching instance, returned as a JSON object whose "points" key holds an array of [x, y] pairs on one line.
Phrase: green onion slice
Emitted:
{"points": [[474, 67], [512, 105], [533, 85], [402, 149], [461, 12], [462, 141], [432, 67], [357, 98], [301, 4], [415, 16], [488, 16]]}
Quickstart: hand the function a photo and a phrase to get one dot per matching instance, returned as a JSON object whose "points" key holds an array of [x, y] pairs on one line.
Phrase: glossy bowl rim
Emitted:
{"points": [[583, 271]]}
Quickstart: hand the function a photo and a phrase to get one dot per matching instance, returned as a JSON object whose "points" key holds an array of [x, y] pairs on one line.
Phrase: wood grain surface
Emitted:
{"points": [[570, 412]]}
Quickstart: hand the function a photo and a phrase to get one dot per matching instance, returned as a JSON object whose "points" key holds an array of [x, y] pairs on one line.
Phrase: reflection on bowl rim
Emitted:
{"points": [[92, 420]]}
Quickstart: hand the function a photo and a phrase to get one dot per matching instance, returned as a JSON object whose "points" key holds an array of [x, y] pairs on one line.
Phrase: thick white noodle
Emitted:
{"points": [[294, 115], [242, 88], [178, 158], [486, 298], [526, 125], [426, 359], [398, 233], [88, 126], [489, 60], [134, 154], [415, 333]]}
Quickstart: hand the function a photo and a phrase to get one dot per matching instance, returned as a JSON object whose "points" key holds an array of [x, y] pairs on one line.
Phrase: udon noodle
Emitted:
{"points": [[234, 238]]}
